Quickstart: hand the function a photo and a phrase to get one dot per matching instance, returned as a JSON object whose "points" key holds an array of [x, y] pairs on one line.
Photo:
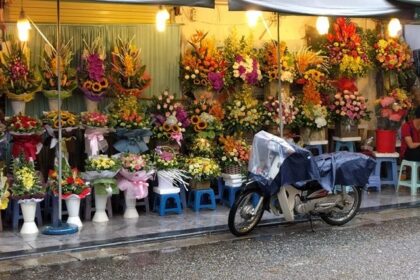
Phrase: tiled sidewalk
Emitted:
{"points": [[153, 227]]}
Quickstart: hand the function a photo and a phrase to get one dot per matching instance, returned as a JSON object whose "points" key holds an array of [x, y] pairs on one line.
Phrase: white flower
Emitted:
{"points": [[193, 76], [187, 77], [320, 122], [171, 120], [187, 68], [224, 158], [158, 107], [196, 71]]}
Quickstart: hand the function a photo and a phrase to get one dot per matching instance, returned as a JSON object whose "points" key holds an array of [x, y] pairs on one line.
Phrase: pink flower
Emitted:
{"points": [[385, 113], [387, 101], [395, 117]]}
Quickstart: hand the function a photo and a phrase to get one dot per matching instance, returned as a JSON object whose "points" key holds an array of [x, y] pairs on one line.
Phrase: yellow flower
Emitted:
{"points": [[129, 66]]}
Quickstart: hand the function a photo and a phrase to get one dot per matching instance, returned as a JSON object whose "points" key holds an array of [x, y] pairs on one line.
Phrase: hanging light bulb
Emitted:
{"points": [[23, 26], [322, 25], [161, 17], [253, 17], [394, 27]]}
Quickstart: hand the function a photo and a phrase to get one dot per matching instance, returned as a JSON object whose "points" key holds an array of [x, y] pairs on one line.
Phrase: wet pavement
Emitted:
{"points": [[374, 246]]}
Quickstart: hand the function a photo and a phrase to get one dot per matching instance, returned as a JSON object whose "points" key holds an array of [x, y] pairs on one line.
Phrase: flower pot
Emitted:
{"points": [[18, 107], [100, 206], [199, 185], [166, 184], [28, 213], [73, 206], [386, 141], [53, 104], [91, 106], [130, 207], [346, 129], [308, 134]]}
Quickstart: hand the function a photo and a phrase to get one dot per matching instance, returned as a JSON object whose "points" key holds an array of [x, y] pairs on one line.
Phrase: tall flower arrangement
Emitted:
{"points": [[269, 65], [272, 110], [26, 183], [393, 55], [129, 75], [346, 50], [202, 65]]}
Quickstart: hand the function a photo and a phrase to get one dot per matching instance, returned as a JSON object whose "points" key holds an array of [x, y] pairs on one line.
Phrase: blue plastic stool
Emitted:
{"points": [[349, 145], [196, 196], [317, 148], [161, 202], [220, 188], [229, 195], [391, 178]]}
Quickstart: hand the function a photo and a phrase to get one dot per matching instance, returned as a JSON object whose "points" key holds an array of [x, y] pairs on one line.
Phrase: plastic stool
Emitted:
{"points": [[196, 196], [317, 148], [220, 188], [229, 195], [161, 201], [413, 183], [16, 216], [349, 145]]}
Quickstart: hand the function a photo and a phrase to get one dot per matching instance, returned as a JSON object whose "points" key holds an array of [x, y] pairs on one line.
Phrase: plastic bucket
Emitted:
{"points": [[386, 141]]}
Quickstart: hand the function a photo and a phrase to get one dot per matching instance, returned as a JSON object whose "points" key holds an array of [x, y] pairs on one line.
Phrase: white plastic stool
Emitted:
{"points": [[413, 183]]}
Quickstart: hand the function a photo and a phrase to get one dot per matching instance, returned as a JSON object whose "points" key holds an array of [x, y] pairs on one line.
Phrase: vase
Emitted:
{"points": [[307, 134], [199, 185], [130, 207], [18, 107], [53, 104], [28, 213], [165, 184], [73, 207], [386, 140], [346, 129], [100, 206], [91, 106]]}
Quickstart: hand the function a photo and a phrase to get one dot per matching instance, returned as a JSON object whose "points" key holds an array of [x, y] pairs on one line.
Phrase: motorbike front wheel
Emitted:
{"points": [[347, 208], [246, 213]]}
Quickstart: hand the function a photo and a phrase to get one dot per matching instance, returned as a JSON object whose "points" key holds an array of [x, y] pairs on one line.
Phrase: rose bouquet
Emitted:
{"points": [[202, 66], [393, 55], [129, 74], [26, 132], [346, 50], [96, 124], [92, 78], [26, 183], [203, 123], [49, 71], [20, 81], [272, 110], [94, 119], [23, 125], [233, 155], [392, 108], [269, 65], [202, 169], [170, 119]]}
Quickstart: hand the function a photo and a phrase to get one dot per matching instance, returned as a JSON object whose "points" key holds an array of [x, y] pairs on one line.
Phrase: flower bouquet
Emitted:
{"points": [[202, 66], [170, 119], [20, 81], [27, 188], [49, 74], [310, 66], [133, 178], [201, 170], [272, 112], [346, 50], [73, 190], [26, 132], [203, 123], [391, 109], [233, 155], [100, 172], [202, 147], [68, 120], [92, 80], [129, 74], [96, 125], [4, 192]]}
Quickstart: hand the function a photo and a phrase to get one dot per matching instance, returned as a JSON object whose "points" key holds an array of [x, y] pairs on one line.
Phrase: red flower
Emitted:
{"points": [[70, 180]]}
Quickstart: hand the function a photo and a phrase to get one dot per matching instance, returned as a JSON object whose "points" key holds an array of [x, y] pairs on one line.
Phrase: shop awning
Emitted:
{"points": [[351, 8], [191, 3]]}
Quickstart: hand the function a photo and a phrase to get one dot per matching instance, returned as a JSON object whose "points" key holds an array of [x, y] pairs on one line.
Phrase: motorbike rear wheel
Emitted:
{"points": [[246, 213], [349, 208]]}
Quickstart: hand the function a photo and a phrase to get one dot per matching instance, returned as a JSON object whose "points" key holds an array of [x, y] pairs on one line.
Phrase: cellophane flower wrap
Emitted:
{"points": [[272, 110], [49, 71], [347, 50], [129, 74], [393, 54], [20, 81], [71, 182], [392, 108], [4, 192], [93, 81], [26, 132], [134, 175], [269, 65], [233, 152], [96, 126], [169, 164], [202, 65], [170, 118], [100, 172], [26, 183], [202, 169]]}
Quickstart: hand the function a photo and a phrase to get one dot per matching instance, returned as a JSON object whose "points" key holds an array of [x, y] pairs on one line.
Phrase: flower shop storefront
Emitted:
{"points": [[154, 132]]}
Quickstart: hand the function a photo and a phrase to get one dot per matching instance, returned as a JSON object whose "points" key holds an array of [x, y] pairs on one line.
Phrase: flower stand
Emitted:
{"points": [[100, 215], [130, 207], [166, 184], [91, 106], [28, 212], [73, 207], [53, 104], [18, 107]]}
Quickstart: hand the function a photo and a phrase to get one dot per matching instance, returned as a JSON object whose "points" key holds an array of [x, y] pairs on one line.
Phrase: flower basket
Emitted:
{"points": [[232, 169], [309, 134], [346, 129], [199, 185], [386, 141]]}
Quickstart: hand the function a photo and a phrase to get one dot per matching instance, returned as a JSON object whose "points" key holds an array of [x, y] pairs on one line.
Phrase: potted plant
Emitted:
{"points": [[74, 189], [133, 181], [202, 170], [27, 188], [100, 172], [96, 126], [49, 74], [92, 80], [390, 112], [20, 81]]}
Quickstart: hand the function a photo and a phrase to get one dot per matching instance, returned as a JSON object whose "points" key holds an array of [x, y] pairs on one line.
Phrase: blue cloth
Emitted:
{"points": [[131, 140]]}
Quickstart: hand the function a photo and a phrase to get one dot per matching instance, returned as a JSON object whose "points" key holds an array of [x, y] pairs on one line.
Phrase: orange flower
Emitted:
{"points": [[217, 111], [52, 174], [310, 94]]}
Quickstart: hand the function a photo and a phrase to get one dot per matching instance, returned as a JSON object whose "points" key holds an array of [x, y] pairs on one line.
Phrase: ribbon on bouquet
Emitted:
{"points": [[105, 186], [134, 183], [27, 144], [95, 141], [131, 141], [54, 141]]}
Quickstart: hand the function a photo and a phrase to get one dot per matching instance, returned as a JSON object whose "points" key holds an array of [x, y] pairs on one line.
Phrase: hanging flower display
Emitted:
{"points": [[269, 65], [129, 74], [346, 51]]}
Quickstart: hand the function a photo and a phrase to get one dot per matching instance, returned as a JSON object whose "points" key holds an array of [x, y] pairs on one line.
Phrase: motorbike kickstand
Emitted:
{"points": [[311, 222]]}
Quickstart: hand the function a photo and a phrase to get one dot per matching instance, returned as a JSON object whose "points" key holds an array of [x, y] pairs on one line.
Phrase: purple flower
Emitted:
{"points": [[239, 58], [160, 119], [181, 114], [216, 80], [95, 67]]}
